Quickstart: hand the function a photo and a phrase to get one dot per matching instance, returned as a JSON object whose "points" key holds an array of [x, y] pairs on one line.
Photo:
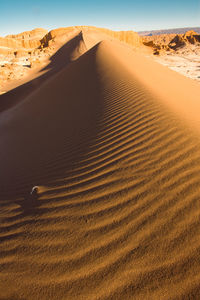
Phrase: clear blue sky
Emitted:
{"points": [[21, 15]]}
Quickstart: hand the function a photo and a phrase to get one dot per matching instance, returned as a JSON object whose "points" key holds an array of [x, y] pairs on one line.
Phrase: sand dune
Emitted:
{"points": [[70, 51], [117, 164]]}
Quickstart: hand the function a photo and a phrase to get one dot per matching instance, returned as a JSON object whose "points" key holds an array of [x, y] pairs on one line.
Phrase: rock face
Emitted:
{"points": [[177, 42], [163, 39], [35, 34], [168, 42], [129, 37], [26, 40], [192, 37], [159, 43], [10, 43], [182, 40]]}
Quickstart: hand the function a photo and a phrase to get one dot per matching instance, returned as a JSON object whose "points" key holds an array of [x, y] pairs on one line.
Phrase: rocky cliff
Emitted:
{"points": [[27, 40], [171, 41]]}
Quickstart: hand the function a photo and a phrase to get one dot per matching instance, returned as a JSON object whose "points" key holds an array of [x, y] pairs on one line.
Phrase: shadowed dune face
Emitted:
{"points": [[51, 127], [22, 55], [117, 212], [65, 55]]}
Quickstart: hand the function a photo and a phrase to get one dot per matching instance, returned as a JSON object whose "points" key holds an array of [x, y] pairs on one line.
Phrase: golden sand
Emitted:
{"points": [[112, 141]]}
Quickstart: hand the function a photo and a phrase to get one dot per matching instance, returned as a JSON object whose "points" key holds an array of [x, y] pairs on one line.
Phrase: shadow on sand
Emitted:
{"points": [[58, 61], [70, 127]]}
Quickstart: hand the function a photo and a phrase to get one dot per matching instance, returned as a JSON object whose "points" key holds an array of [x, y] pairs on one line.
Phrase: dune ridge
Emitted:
{"points": [[70, 51], [118, 174]]}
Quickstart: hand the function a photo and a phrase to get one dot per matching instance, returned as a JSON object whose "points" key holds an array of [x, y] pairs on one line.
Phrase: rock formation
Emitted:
{"points": [[129, 37], [26, 40], [167, 42], [35, 34]]}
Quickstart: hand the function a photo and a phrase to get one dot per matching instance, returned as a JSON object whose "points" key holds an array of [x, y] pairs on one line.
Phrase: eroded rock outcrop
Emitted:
{"points": [[130, 37], [26, 40], [192, 37], [168, 42], [35, 34]]}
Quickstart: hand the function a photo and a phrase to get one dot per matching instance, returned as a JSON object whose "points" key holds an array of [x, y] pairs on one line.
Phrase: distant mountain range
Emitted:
{"points": [[168, 31]]}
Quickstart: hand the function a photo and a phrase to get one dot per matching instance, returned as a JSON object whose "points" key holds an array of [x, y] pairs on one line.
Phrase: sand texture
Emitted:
{"points": [[112, 140]]}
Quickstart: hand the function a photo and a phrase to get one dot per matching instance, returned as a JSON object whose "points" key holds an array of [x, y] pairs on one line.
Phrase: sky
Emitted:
{"points": [[137, 15]]}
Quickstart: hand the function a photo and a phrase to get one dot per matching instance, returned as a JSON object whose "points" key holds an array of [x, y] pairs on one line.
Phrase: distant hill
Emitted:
{"points": [[168, 31]]}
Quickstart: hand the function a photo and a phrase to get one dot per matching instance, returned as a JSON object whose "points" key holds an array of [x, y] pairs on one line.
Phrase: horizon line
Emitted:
{"points": [[110, 28]]}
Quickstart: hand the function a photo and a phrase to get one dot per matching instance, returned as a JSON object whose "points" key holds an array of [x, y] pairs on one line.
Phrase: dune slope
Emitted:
{"points": [[118, 174], [66, 53]]}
